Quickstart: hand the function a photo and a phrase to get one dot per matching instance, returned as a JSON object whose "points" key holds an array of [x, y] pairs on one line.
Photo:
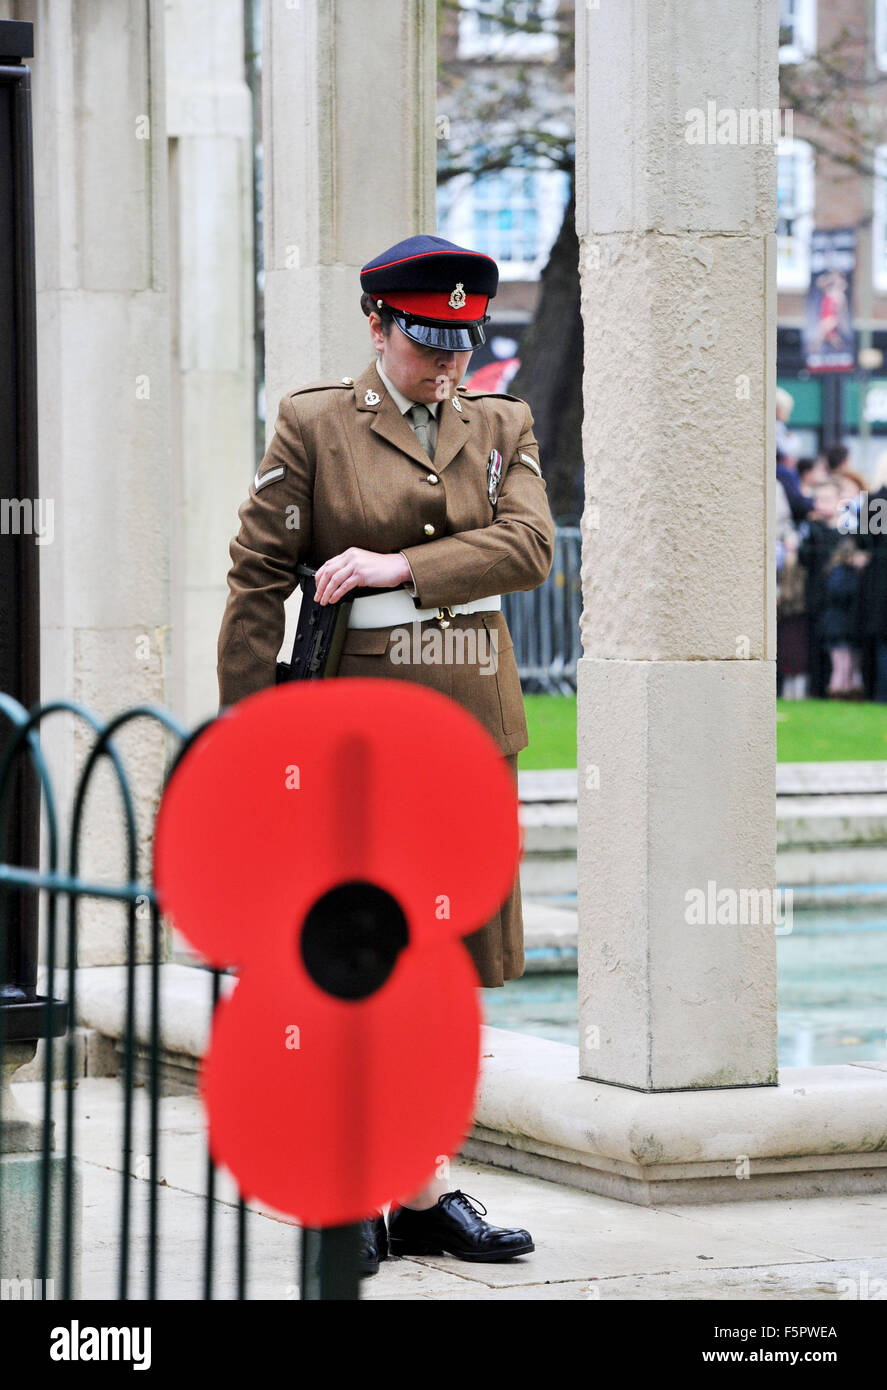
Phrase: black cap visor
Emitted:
{"points": [[463, 337]]}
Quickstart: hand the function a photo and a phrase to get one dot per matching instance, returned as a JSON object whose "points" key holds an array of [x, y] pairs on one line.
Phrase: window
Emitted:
{"points": [[482, 36], [794, 197], [881, 34], [513, 215], [879, 221], [797, 30]]}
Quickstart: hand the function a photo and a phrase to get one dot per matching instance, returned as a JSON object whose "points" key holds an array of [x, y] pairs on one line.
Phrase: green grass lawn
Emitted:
{"points": [[807, 731]]}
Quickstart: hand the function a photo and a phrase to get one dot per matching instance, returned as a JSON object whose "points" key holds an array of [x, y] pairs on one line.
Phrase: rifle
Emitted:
{"points": [[320, 634]]}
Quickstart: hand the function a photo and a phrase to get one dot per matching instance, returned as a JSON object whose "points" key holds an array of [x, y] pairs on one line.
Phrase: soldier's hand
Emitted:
{"points": [[359, 569]]}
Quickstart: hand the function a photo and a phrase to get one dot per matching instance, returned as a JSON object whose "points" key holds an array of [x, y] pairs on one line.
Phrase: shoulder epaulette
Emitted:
{"points": [[498, 395], [341, 383]]}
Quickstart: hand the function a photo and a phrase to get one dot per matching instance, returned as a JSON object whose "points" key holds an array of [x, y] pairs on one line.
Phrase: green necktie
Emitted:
{"points": [[421, 418]]}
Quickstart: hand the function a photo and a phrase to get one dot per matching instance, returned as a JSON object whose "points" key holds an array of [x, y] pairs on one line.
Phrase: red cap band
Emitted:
{"points": [[432, 304]]}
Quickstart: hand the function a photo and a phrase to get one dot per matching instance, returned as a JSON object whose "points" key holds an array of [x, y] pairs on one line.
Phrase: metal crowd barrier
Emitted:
{"points": [[544, 623]]}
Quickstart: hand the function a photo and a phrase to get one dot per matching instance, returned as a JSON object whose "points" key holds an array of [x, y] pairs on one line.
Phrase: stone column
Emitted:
{"points": [[104, 368], [677, 683], [349, 89], [211, 280]]}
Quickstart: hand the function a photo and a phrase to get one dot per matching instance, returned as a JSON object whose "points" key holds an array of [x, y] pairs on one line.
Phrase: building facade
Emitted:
{"points": [[833, 178]]}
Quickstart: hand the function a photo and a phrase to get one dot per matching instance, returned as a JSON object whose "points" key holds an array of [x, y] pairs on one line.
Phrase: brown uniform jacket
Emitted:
{"points": [[344, 470]]}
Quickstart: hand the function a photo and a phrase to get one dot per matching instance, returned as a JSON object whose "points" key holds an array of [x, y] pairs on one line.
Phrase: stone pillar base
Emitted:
{"points": [[20, 1132], [20, 1179], [819, 1132]]}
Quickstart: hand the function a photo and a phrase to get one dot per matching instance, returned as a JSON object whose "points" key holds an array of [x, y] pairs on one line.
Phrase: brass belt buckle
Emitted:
{"points": [[444, 615]]}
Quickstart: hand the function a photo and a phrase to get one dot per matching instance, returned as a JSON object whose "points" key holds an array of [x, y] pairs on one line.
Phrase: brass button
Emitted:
{"points": [[347, 380], [429, 529], [432, 478]]}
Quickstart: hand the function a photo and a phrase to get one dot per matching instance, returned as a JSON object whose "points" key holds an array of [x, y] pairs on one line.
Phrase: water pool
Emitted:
{"points": [[832, 991]]}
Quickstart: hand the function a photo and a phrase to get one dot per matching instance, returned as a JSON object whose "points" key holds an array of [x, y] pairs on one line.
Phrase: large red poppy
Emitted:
{"points": [[331, 1091]]}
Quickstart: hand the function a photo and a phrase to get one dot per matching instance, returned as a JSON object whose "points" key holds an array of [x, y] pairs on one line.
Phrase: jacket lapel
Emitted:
{"points": [[453, 432], [452, 429]]}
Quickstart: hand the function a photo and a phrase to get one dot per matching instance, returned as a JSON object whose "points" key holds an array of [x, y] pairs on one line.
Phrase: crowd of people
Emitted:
{"points": [[831, 566]]}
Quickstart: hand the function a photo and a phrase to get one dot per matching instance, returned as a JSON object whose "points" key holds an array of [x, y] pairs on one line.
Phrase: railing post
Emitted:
{"points": [[21, 516], [30, 1182]]}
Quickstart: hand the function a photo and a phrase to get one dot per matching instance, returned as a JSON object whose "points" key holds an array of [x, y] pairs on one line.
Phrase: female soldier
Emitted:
{"points": [[403, 480]]}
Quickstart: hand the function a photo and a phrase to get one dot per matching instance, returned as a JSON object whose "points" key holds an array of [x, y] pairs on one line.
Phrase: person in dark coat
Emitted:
{"points": [[841, 618], [820, 538], [800, 503], [872, 539]]}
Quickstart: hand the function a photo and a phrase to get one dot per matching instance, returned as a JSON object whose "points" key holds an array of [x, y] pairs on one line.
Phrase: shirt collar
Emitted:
{"points": [[403, 402]]}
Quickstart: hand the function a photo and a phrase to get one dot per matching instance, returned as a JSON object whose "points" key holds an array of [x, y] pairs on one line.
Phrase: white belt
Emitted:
{"points": [[391, 610]]}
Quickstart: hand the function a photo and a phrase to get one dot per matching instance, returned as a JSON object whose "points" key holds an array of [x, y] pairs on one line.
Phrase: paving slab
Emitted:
{"points": [[580, 1235], [820, 1227], [588, 1247], [829, 1281]]}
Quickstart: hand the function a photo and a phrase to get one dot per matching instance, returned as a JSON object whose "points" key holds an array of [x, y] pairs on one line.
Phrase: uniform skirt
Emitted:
{"points": [[476, 668]]}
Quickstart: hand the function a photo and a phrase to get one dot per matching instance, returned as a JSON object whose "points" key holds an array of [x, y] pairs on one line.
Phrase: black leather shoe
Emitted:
{"points": [[374, 1245], [454, 1227]]}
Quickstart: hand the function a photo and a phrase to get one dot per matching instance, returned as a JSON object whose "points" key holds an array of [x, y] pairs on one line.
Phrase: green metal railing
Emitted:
{"points": [[59, 1020]]}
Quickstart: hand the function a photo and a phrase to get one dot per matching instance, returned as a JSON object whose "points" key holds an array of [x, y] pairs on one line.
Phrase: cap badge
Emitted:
{"points": [[457, 404], [371, 398], [458, 297]]}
